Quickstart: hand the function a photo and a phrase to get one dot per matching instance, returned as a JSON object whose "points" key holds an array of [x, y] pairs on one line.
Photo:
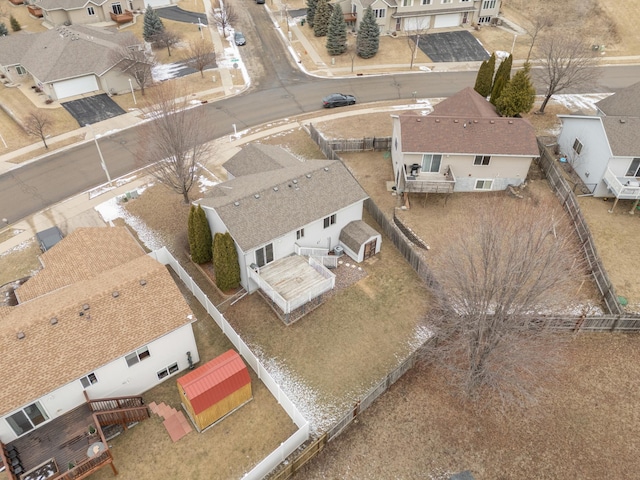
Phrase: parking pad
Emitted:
{"points": [[458, 46], [93, 109]]}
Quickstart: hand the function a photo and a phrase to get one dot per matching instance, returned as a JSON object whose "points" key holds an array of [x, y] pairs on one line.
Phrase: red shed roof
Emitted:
{"points": [[214, 380]]}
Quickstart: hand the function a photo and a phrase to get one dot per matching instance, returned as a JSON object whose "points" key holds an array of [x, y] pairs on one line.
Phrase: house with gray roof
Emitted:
{"points": [[101, 319], [464, 145], [68, 61], [276, 206], [78, 12], [394, 16], [603, 148]]}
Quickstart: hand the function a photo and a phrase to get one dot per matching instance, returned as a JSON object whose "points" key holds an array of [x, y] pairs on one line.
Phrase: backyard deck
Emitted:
{"points": [[291, 276]]}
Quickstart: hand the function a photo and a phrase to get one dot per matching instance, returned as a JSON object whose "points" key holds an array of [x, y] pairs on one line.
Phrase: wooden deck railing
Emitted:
{"points": [[5, 462], [122, 416], [125, 17], [89, 466], [102, 404]]}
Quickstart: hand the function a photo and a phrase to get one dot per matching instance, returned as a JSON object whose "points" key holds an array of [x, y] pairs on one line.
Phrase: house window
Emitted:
{"points": [[446, 1], [464, 1], [137, 356], [482, 160], [484, 19], [116, 8], [634, 168], [330, 221], [488, 4], [577, 146], [20, 70], [484, 184], [27, 419], [407, 3], [426, 2], [264, 255], [379, 12], [300, 234], [170, 370], [431, 162], [91, 11], [89, 380]]}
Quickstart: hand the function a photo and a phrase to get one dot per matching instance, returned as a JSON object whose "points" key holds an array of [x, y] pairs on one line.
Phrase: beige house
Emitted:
{"points": [[67, 61], [422, 15], [464, 145], [74, 12]]}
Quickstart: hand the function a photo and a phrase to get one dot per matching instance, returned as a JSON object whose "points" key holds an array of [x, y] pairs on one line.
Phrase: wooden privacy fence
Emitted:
{"points": [[569, 201], [330, 147]]}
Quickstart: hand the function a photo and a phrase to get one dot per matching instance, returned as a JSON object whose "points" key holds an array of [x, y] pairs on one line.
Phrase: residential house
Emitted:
{"points": [[68, 61], [464, 145], [101, 319], [603, 148], [275, 206], [421, 15], [75, 12]]}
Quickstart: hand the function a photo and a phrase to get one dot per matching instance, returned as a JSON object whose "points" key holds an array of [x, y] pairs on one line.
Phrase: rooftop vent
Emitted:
{"points": [[275, 189], [326, 169], [308, 175], [237, 204], [510, 122], [295, 182], [437, 120], [85, 306], [475, 121], [456, 121], [623, 120], [143, 282], [116, 294], [418, 119], [492, 121], [53, 321], [20, 335], [257, 195]]}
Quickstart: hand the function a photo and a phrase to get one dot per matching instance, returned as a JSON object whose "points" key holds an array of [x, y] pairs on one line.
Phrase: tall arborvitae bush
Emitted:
{"points": [[484, 79], [225, 262], [518, 95]]}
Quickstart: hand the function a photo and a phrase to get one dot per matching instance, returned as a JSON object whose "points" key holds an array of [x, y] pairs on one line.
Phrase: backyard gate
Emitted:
{"points": [[215, 389]]}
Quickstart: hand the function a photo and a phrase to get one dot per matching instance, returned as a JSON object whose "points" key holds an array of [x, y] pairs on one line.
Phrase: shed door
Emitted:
{"points": [[75, 86], [370, 249], [450, 20]]}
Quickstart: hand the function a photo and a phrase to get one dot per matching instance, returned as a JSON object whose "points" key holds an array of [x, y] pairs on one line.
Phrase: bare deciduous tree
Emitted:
{"points": [[174, 143], [504, 270], [133, 60], [542, 20], [200, 55], [36, 123], [223, 15], [166, 39], [566, 61], [413, 40]]}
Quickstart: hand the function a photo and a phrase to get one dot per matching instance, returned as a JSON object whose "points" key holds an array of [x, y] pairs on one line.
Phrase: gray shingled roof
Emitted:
{"points": [[356, 233], [256, 157], [622, 133], [65, 52], [466, 102], [50, 5], [626, 102], [305, 193]]}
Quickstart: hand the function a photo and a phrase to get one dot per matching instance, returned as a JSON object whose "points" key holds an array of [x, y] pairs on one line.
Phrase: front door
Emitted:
{"points": [[370, 249], [465, 17]]}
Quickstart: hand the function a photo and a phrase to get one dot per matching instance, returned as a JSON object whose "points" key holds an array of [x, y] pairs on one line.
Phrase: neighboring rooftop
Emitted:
{"points": [[67, 4], [256, 158], [622, 133], [626, 102]]}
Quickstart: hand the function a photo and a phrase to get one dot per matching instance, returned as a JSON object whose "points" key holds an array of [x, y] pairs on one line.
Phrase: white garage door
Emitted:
{"points": [[157, 3], [414, 24], [450, 20], [75, 86]]}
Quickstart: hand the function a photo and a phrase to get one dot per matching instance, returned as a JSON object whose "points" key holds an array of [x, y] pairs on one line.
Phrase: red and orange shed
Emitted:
{"points": [[215, 389]]}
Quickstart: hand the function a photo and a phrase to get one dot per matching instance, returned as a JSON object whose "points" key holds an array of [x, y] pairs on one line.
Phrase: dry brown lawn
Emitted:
{"points": [[19, 262], [20, 12]]}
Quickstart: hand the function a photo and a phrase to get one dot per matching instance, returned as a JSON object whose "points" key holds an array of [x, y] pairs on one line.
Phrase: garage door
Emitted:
{"points": [[157, 3], [75, 86], [450, 20], [414, 24]]}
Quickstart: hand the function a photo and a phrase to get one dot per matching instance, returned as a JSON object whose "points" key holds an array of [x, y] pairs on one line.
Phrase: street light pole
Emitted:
{"points": [[133, 94], [104, 165], [515, 35]]}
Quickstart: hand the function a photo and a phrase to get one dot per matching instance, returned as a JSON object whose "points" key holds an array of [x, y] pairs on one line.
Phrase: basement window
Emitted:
{"points": [[137, 356], [170, 370]]}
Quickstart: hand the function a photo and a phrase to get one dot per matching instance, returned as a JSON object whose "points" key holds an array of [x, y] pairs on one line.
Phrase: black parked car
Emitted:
{"points": [[338, 100], [239, 39]]}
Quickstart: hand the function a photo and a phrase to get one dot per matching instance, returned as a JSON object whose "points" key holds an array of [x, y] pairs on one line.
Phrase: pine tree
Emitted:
{"points": [[225, 262], [321, 19], [518, 94], [15, 25], [484, 79], [191, 229], [311, 11], [202, 252], [368, 35], [337, 32], [3, 30], [152, 24], [503, 75]]}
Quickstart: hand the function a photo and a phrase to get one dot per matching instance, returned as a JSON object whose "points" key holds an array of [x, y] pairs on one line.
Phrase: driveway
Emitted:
{"points": [[452, 47], [178, 15], [93, 109]]}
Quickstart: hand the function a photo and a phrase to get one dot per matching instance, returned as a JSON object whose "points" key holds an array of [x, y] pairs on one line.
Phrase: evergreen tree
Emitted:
{"points": [[225, 262], [368, 35], [3, 30], [311, 11], [15, 25], [484, 79], [191, 229], [321, 19], [337, 32], [518, 94], [152, 24], [503, 75], [202, 252]]}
